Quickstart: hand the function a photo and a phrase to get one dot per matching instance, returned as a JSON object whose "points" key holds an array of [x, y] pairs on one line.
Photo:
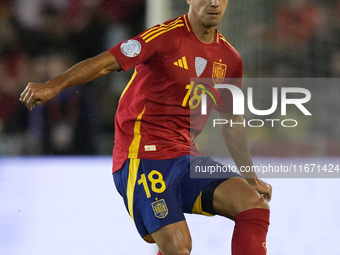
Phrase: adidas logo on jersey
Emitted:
{"points": [[182, 63]]}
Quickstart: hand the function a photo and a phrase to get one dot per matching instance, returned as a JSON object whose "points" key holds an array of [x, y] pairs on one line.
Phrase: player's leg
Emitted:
{"points": [[237, 200], [173, 239], [234, 198], [151, 193]]}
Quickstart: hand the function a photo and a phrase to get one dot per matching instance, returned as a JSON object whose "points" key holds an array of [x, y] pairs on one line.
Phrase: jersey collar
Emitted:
{"points": [[189, 28]]}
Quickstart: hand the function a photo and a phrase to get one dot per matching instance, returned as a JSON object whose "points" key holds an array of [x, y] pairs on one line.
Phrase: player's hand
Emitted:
{"points": [[263, 188], [37, 94]]}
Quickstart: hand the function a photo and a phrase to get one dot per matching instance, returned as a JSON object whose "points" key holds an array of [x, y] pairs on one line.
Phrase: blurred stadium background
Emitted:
{"points": [[41, 38], [42, 204]]}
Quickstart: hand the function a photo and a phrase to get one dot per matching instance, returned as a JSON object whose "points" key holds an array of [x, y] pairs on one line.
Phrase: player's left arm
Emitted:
{"points": [[235, 138]]}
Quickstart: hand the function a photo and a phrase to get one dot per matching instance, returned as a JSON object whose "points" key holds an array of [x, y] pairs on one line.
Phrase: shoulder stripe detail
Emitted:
{"points": [[223, 39], [160, 26], [156, 31], [186, 23], [149, 30], [152, 30], [171, 28]]}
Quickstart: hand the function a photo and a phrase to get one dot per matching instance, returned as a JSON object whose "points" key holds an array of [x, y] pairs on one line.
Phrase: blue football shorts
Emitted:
{"points": [[157, 193]]}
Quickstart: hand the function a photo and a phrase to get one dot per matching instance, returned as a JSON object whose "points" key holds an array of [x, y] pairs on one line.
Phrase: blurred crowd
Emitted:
{"points": [[39, 39], [302, 39]]}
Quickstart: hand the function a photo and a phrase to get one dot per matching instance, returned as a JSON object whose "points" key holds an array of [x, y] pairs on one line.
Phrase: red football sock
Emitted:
{"points": [[250, 232]]}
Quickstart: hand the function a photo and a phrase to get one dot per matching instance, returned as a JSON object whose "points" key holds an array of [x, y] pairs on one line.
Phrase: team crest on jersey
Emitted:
{"points": [[200, 65], [219, 72], [160, 209], [131, 48]]}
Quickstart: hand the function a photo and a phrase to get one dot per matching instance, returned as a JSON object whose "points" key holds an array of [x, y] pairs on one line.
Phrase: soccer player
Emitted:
{"points": [[154, 147]]}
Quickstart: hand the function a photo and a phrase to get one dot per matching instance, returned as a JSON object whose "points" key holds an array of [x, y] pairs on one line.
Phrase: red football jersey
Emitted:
{"points": [[159, 112]]}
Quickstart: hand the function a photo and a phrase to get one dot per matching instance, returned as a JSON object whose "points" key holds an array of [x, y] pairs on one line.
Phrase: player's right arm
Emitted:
{"points": [[83, 72], [235, 138]]}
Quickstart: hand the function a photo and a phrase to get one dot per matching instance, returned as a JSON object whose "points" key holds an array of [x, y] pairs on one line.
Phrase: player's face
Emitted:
{"points": [[208, 12]]}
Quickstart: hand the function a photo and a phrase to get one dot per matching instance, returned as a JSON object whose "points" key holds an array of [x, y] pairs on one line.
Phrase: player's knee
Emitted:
{"points": [[178, 250], [259, 202], [255, 202], [251, 200]]}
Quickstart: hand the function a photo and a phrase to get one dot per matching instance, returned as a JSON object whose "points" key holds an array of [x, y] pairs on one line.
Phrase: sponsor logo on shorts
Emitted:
{"points": [[160, 209], [150, 147], [131, 48]]}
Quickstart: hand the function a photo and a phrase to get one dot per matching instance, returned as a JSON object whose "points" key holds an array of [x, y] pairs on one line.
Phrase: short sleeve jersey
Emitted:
{"points": [[158, 116]]}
